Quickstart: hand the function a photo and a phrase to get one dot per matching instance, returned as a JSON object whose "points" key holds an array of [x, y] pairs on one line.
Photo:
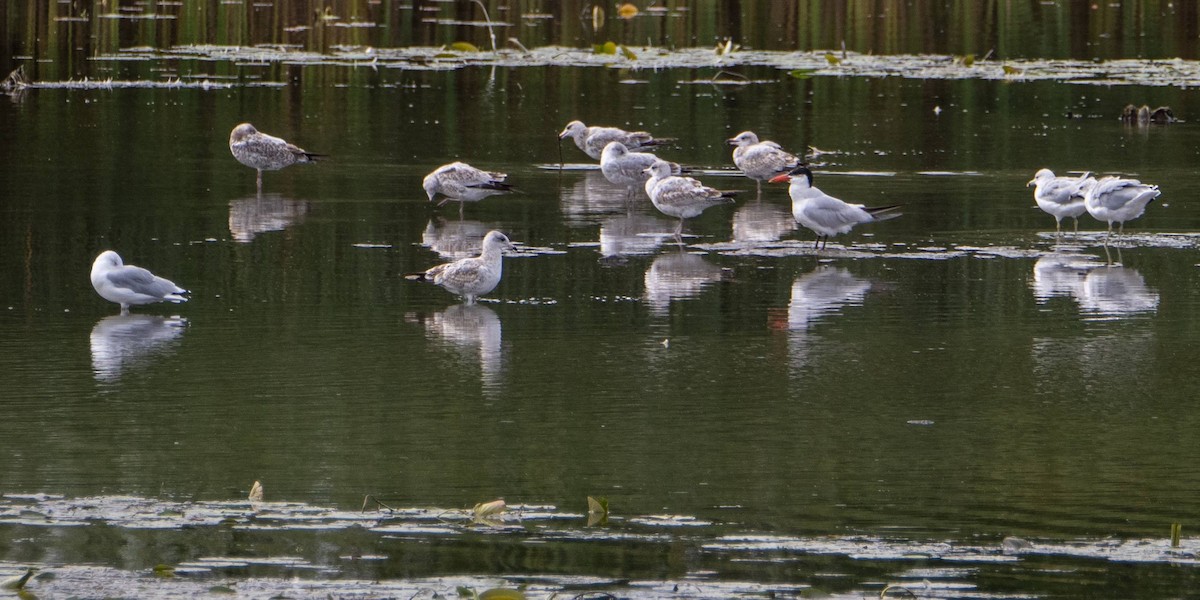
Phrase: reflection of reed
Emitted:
{"points": [[1080, 30], [453, 240], [824, 292], [123, 341], [471, 328], [253, 215], [676, 276]]}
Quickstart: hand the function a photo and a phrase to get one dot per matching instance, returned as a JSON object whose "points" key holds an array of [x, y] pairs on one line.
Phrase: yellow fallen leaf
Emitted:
{"points": [[487, 509], [464, 47], [832, 59], [627, 11]]}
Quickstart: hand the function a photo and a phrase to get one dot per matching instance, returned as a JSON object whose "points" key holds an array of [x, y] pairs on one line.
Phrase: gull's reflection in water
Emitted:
{"points": [[1115, 292], [593, 195], [1060, 275], [1102, 291], [253, 215], [474, 331], [822, 293], [633, 235], [758, 221], [677, 276], [121, 342], [453, 240]]}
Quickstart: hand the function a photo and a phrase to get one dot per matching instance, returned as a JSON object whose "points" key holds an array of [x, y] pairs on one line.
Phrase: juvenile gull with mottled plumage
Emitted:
{"points": [[763, 160], [624, 167], [264, 152], [592, 140], [128, 285], [463, 183], [470, 277], [681, 197]]}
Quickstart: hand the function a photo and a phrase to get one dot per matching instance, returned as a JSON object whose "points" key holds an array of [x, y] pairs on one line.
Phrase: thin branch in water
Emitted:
{"points": [[491, 32]]}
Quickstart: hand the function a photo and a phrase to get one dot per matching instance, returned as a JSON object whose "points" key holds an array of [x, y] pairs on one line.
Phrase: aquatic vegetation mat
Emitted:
{"points": [[273, 557]]}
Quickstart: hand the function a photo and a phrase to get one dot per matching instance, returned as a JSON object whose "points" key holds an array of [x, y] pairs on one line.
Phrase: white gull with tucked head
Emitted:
{"points": [[470, 277], [681, 197], [592, 140], [264, 152], [1116, 200], [128, 285], [763, 160], [1061, 196], [824, 214], [464, 183]]}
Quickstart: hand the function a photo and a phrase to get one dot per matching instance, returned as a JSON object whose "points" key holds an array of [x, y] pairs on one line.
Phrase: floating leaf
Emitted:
{"points": [[256, 492], [605, 48], [967, 60], [161, 570], [597, 505], [221, 589], [802, 73], [466, 592], [487, 509], [627, 53], [832, 59], [627, 11], [501, 594], [464, 47], [1011, 70], [597, 511]]}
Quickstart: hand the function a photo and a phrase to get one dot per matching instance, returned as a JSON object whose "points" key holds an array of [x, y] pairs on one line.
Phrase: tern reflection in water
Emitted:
{"points": [[759, 221], [822, 293], [253, 215], [677, 276], [125, 341], [471, 329], [452, 240]]}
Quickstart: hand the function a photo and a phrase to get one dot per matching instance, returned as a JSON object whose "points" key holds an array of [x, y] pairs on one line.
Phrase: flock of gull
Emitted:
{"points": [[625, 160]]}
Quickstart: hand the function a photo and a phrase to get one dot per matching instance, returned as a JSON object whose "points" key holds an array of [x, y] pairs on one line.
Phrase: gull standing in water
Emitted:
{"points": [[1117, 200], [128, 285], [623, 167], [463, 183], [264, 152], [470, 277], [592, 140], [681, 197], [763, 160], [1061, 196], [824, 214]]}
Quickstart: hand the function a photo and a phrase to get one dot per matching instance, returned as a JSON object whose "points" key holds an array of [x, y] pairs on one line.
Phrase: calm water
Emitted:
{"points": [[761, 418]]}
